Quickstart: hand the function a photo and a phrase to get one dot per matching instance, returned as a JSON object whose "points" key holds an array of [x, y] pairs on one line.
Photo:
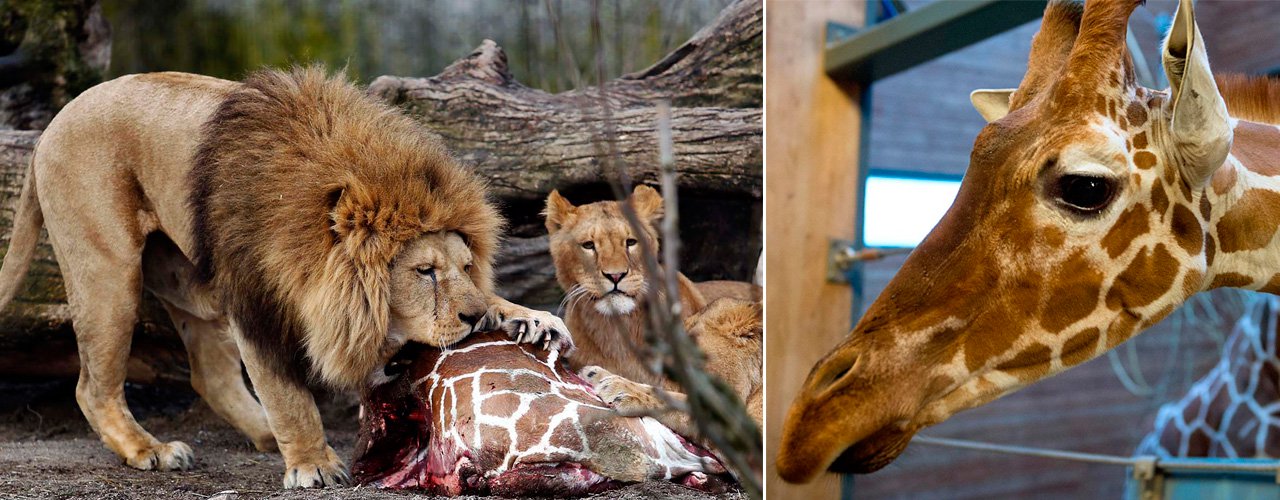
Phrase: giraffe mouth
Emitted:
{"points": [[873, 453]]}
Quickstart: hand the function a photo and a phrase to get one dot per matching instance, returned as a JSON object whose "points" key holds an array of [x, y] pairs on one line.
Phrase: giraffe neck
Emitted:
{"points": [[1241, 206], [495, 416], [1224, 414]]}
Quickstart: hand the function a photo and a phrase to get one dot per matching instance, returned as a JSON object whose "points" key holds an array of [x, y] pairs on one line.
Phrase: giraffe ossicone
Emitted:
{"points": [[1091, 208], [490, 416]]}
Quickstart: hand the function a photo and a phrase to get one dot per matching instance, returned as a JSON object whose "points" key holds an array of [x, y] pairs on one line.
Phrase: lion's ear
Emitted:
{"points": [[366, 224], [340, 216], [558, 209], [647, 203]]}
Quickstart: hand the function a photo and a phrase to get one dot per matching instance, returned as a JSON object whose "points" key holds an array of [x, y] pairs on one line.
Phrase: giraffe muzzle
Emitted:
{"points": [[854, 415]]}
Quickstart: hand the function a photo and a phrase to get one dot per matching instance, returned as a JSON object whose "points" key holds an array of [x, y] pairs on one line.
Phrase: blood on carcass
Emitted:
{"points": [[489, 416]]}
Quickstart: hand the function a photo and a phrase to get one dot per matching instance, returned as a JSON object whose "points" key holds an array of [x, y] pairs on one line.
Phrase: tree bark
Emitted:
{"points": [[528, 142], [50, 51], [525, 142]]}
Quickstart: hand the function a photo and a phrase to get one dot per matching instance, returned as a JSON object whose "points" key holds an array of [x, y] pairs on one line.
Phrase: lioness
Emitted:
{"points": [[597, 259], [317, 228]]}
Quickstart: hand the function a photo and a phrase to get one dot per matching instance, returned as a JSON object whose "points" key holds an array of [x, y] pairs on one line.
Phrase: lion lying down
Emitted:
{"points": [[490, 416]]}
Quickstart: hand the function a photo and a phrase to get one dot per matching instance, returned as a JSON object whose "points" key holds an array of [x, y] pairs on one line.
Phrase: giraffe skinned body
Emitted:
{"points": [[1092, 207], [490, 416]]}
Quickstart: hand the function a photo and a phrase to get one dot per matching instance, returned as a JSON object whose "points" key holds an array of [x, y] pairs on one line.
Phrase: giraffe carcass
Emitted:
{"points": [[489, 416]]}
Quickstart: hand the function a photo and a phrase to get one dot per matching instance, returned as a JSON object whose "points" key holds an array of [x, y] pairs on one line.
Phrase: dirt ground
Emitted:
{"points": [[47, 450]]}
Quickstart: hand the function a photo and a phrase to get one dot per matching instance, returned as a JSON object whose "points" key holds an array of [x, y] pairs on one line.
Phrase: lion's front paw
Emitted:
{"points": [[174, 455], [628, 398], [528, 326], [329, 471]]}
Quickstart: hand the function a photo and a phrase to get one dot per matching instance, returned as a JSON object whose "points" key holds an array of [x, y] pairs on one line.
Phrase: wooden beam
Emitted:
{"points": [[925, 33], [811, 194]]}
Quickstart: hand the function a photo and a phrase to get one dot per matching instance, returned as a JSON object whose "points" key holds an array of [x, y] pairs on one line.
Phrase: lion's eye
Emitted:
{"points": [[467, 268], [1085, 192], [631, 242], [426, 271], [589, 245]]}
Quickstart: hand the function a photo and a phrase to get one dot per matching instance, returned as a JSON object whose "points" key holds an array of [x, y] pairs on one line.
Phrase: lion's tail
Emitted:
{"points": [[27, 220]]}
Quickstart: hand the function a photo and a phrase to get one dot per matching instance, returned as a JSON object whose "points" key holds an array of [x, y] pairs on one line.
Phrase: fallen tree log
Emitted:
{"points": [[526, 142]]}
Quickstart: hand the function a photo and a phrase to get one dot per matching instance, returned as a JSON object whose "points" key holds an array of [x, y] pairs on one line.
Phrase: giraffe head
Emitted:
{"points": [[1077, 225]]}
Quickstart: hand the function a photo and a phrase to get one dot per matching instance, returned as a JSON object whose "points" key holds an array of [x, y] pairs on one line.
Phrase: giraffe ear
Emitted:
{"points": [[992, 104], [1200, 127]]}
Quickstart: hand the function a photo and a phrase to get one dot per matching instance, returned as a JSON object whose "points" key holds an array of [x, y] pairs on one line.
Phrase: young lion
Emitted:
{"points": [[315, 227], [597, 259]]}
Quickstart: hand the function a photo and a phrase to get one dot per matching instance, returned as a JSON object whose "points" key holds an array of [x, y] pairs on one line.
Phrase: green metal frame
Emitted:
{"points": [[922, 34]]}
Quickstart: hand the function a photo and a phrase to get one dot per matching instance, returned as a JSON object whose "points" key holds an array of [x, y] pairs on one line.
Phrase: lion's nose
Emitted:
{"points": [[615, 277], [470, 319]]}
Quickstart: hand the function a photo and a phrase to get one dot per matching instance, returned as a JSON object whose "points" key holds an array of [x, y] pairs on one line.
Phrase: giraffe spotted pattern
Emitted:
{"points": [[492, 417]]}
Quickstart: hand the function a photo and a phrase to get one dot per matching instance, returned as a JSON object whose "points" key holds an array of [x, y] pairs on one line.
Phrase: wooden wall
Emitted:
{"points": [[811, 148]]}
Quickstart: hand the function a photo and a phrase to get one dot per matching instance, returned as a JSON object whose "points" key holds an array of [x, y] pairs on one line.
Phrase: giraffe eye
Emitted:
{"points": [[1084, 193]]}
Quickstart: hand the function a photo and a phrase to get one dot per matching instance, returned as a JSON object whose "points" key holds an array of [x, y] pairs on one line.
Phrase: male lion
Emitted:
{"points": [[597, 258], [317, 228]]}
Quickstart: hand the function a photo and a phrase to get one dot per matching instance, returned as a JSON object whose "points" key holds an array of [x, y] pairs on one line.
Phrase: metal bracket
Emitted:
{"points": [[1146, 471], [839, 32], [841, 258], [883, 11]]}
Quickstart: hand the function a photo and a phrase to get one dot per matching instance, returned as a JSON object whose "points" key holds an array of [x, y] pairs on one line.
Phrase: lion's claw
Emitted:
{"points": [[174, 455], [328, 472], [538, 327]]}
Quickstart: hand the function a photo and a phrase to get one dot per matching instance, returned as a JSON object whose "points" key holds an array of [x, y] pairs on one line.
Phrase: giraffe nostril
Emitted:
{"points": [[837, 369]]}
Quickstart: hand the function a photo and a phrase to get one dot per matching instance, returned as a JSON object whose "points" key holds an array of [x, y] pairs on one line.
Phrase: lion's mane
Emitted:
{"points": [[304, 190]]}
